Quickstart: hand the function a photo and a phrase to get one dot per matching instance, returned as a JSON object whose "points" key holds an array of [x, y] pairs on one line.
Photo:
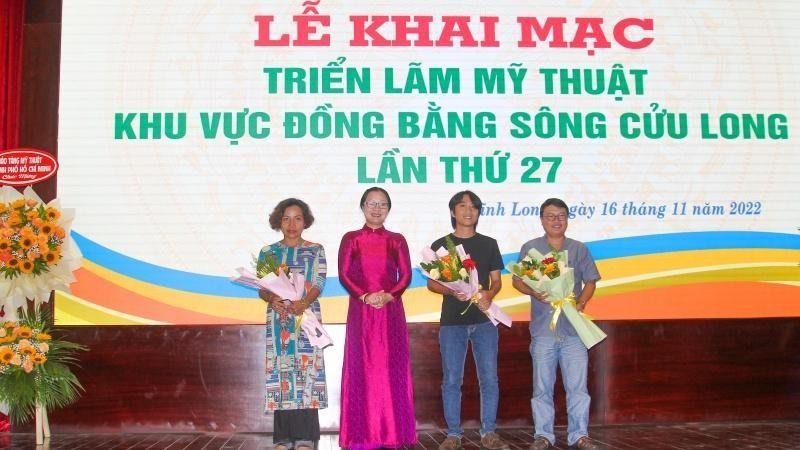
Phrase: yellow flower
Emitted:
{"points": [[22, 332], [6, 355], [59, 233], [43, 337], [7, 231], [47, 228], [18, 203], [5, 244], [13, 263], [27, 242], [31, 214], [447, 274], [26, 266], [27, 351], [27, 230], [13, 220], [39, 358], [3, 207], [51, 257], [52, 214], [10, 325]]}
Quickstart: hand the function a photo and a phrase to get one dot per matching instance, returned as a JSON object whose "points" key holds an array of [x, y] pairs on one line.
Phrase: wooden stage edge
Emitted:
{"points": [[689, 436]]}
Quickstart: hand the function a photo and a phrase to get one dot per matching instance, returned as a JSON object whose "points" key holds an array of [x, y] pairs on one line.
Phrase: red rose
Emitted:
{"points": [[548, 261], [468, 264]]}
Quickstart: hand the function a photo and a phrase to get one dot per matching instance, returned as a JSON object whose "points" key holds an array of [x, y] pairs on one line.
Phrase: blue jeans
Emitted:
{"points": [[570, 353], [453, 341]]}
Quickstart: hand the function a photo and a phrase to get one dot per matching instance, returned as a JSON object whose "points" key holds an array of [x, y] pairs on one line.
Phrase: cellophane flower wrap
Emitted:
{"points": [[37, 254], [34, 367], [550, 274], [453, 268], [279, 280]]}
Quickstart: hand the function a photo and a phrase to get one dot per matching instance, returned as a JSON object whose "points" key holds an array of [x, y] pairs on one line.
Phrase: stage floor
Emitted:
{"points": [[747, 435]]}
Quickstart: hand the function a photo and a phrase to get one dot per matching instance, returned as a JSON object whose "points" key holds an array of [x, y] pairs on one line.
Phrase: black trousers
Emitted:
{"points": [[292, 425]]}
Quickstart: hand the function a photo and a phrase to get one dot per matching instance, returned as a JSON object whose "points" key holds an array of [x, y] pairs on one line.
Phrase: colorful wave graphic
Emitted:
{"points": [[719, 274]]}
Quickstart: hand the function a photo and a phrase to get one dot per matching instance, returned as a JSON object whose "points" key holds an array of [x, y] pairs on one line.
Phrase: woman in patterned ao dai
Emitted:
{"points": [[295, 387]]}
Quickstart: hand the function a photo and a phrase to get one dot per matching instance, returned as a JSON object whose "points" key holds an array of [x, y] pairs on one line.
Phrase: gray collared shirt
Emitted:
{"points": [[585, 271]]}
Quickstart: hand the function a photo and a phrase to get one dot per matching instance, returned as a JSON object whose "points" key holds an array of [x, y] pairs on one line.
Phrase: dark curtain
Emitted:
{"points": [[12, 18]]}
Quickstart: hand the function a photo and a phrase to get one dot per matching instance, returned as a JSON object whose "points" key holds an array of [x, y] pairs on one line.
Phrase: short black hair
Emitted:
{"points": [[276, 215], [456, 199], [557, 202], [375, 189]]}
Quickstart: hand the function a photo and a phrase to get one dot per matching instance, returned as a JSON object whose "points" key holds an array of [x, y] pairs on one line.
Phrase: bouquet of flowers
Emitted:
{"points": [[34, 369], [549, 274], [278, 279], [37, 254], [452, 267]]}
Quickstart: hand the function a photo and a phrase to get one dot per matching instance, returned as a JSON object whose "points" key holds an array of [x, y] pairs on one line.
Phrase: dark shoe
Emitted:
{"points": [[451, 443], [541, 443], [492, 441], [584, 444]]}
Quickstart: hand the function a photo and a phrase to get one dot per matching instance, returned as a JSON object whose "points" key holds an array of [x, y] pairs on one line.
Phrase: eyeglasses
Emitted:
{"points": [[554, 217], [376, 205]]}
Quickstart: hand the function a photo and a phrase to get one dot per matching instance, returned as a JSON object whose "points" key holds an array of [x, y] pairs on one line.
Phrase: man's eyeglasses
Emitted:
{"points": [[554, 217]]}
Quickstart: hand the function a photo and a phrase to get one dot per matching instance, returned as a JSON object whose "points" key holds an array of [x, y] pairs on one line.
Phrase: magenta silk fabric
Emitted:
{"points": [[377, 395]]}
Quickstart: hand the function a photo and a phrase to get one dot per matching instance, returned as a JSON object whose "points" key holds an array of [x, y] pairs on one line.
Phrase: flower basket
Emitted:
{"points": [[37, 254]]}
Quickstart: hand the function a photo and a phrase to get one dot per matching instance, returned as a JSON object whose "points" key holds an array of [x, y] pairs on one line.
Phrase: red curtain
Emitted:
{"points": [[12, 18]]}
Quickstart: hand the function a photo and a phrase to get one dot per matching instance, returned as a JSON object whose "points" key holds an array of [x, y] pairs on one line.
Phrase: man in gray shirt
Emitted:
{"points": [[560, 346]]}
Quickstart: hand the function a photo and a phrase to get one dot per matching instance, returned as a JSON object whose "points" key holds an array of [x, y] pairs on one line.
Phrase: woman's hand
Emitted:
{"points": [[298, 308], [378, 299], [385, 297], [274, 302]]}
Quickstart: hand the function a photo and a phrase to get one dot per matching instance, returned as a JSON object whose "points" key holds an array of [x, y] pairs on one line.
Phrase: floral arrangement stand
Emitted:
{"points": [[35, 374], [42, 425], [37, 256]]}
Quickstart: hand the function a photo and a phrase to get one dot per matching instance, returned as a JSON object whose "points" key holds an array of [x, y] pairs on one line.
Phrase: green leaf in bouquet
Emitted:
{"points": [[269, 264]]}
